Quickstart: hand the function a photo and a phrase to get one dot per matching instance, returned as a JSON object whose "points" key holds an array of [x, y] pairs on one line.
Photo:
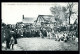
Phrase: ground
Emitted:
{"points": [[44, 44]]}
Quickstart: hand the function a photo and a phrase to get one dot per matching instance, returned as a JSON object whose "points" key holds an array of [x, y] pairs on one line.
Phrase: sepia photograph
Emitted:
{"points": [[44, 26]]}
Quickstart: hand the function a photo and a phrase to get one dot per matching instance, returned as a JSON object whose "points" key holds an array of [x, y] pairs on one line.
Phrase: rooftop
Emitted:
{"points": [[47, 18], [28, 20]]}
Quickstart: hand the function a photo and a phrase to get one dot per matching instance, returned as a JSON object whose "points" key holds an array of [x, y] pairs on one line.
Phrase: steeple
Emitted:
{"points": [[23, 16]]}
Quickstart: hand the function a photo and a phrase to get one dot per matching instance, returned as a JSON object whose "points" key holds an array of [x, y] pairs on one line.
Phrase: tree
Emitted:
{"points": [[59, 13], [65, 12], [72, 9], [69, 7]]}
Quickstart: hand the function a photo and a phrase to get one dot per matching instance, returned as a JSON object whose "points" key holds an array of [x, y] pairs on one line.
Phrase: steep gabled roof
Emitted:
{"points": [[47, 18]]}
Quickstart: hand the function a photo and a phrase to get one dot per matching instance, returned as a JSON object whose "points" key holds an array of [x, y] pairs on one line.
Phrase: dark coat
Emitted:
{"points": [[14, 36], [2, 36], [7, 37], [8, 34]]}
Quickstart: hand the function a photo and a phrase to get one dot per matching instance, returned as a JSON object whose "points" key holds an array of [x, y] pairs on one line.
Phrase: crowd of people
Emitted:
{"points": [[10, 35], [65, 36], [31, 33]]}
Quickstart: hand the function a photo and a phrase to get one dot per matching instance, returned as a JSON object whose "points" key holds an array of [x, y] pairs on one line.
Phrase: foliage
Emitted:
{"points": [[63, 13], [59, 13]]}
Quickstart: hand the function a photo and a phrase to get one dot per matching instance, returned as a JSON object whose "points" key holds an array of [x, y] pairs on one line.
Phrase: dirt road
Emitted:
{"points": [[36, 44]]}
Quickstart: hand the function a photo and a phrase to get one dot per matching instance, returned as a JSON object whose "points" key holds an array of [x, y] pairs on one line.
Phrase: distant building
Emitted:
{"points": [[27, 20], [26, 23], [45, 21]]}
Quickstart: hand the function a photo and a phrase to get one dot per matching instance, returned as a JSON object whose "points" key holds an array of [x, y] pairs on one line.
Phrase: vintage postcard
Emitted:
{"points": [[51, 26]]}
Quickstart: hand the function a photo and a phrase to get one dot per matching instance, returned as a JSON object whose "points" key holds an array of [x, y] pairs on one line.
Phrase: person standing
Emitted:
{"points": [[12, 42], [24, 34], [47, 34], [13, 39], [41, 36], [57, 36], [32, 33], [7, 37], [50, 34], [36, 33]]}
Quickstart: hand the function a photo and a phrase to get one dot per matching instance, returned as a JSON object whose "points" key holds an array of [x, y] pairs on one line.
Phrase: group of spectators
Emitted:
{"points": [[66, 36], [8, 36], [31, 33], [11, 35]]}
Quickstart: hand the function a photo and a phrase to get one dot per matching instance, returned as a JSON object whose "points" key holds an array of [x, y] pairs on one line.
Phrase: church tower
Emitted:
{"points": [[23, 16]]}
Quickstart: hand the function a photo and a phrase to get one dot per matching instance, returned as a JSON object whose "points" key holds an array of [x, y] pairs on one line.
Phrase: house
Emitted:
{"points": [[27, 19], [45, 21], [26, 23]]}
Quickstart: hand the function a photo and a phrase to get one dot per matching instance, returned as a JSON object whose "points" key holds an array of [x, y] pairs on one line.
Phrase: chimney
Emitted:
{"points": [[23, 16]]}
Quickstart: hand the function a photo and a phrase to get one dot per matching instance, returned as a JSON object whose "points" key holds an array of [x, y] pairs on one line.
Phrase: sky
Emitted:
{"points": [[12, 12]]}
